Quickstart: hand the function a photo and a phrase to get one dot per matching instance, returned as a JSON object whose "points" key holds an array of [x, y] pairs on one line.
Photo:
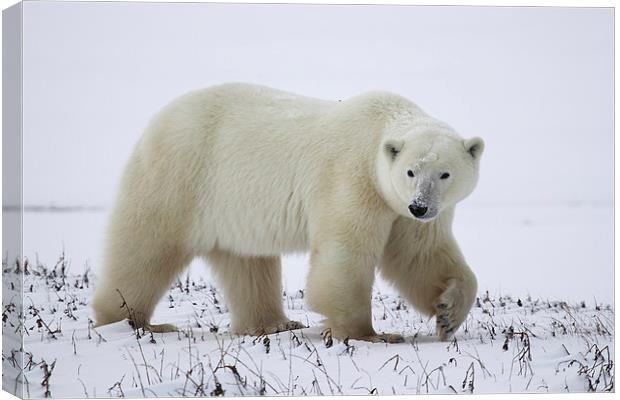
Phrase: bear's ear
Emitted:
{"points": [[475, 147], [392, 147]]}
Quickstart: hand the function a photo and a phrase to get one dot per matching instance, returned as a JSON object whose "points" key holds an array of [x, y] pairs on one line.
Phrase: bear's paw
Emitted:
{"points": [[450, 310]]}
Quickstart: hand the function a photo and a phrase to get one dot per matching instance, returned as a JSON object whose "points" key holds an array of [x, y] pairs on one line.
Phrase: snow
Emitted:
{"points": [[506, 345], [545, 271]]}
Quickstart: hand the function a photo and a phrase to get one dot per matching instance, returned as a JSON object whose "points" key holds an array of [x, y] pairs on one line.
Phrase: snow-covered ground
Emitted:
{"points": [[506, 345], [543, 321]]}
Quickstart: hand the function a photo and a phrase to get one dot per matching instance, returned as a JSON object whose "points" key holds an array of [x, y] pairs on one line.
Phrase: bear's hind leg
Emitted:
{"points": [[134, 280], [252, 288]]}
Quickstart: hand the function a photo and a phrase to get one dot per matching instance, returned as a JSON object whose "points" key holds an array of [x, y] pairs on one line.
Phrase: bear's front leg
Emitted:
{"points": [[431, 274], [340, 287]]}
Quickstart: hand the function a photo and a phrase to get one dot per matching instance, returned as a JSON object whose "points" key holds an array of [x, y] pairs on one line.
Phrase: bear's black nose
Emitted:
{"points": [[417, 210]]}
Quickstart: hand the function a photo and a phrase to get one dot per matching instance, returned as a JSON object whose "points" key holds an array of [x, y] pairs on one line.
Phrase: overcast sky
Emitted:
{"points": [[535, 83]]}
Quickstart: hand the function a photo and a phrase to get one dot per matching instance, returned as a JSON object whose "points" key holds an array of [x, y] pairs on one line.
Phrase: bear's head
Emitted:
{"points": [[427, 169]]}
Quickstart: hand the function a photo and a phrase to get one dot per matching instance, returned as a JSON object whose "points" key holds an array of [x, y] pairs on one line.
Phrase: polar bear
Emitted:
{"points": [[239, 174]]}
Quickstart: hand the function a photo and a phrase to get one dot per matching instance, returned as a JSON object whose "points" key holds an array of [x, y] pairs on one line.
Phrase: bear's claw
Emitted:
{"points": [[281, 327], [383, 338]]}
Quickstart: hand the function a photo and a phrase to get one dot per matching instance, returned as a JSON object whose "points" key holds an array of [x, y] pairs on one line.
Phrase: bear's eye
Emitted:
{"points": [[445, 175], [410, 174]]}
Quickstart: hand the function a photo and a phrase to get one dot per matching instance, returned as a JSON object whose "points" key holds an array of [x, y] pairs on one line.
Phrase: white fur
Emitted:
{"points": [[239, 174]]}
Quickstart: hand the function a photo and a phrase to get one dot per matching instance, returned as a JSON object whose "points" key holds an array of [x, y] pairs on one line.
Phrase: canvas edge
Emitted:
{"points": [[12, 201]]}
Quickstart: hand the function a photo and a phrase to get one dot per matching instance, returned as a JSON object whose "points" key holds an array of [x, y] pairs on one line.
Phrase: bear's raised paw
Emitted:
{"points": [[450, 312]]}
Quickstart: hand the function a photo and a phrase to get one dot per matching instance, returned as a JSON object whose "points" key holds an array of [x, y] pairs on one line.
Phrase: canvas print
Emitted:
{"points": [[205, 199]]}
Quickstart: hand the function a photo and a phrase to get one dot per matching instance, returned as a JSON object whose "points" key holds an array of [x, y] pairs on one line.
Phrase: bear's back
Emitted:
{"points": [[256, 158], [262, 101]]}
